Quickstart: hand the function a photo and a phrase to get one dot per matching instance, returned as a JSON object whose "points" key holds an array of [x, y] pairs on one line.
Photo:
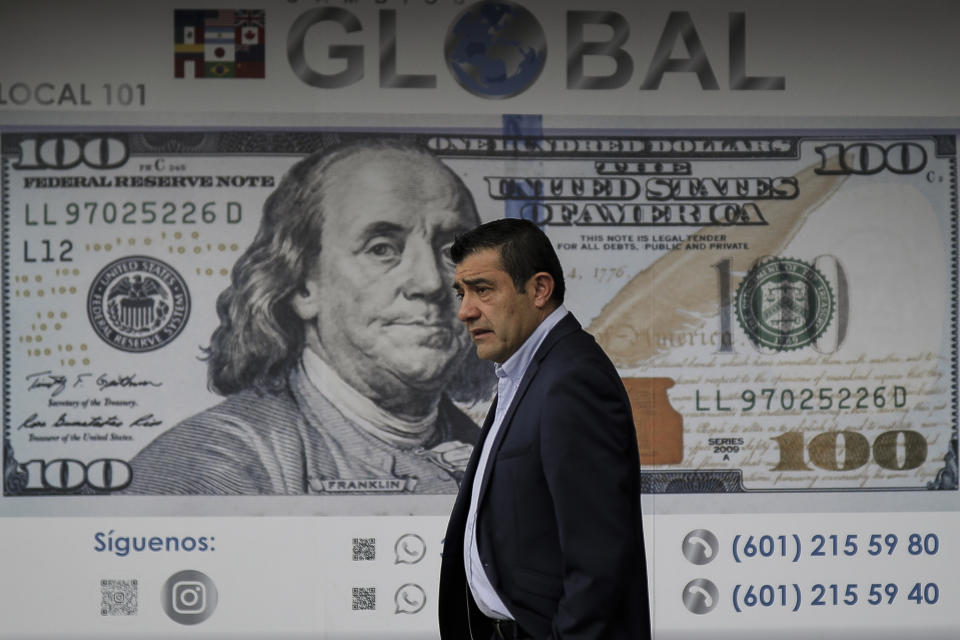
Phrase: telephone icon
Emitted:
{"points": [[696, 590], [707, 550], [700, 546], [700, 596]]}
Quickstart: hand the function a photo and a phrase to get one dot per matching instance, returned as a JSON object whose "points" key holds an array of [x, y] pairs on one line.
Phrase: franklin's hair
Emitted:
{"points": [[524, 250], [261, 337]]}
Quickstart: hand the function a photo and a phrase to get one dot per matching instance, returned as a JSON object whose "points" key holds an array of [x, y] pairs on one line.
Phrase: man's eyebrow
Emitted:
{"points": [[471, 282]]}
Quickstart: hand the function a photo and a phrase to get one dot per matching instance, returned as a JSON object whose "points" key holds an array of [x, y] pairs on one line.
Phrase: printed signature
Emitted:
{"points": [[57, 383]]}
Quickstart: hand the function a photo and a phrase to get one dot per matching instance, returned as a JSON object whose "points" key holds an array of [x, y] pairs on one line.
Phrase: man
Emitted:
{"points": [[545, 539], [336, 360]]}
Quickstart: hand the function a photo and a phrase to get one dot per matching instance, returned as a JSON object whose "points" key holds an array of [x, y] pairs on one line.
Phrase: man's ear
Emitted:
{"points": [[542, 288], [306, 300]]}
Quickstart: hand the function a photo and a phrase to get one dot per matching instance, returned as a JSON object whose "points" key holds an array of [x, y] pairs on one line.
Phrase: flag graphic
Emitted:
{"points": [[250, 18], [249, 35], [219, 43]]}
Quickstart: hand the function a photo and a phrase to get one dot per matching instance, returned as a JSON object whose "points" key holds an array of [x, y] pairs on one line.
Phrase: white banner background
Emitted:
{"points": [[287, 572]]}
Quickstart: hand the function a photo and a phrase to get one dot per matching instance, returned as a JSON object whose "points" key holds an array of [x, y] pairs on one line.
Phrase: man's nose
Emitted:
{"points": [[468, 310]]}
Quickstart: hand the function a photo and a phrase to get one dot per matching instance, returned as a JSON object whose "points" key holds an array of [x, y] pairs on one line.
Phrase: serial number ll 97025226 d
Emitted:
{"points": [[806, 399], [151, 212]]}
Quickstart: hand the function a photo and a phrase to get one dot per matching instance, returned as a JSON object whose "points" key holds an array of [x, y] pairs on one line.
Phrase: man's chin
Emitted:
{"points": [[487, 354], [487, 350]]}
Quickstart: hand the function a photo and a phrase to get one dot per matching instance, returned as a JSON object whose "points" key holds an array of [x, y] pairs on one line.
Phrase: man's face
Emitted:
{"points": [[498, 317], [383, 279]]}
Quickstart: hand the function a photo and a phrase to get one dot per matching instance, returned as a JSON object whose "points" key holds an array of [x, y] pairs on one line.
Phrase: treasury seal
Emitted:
{"points": [[138, 304], [784, 304]]}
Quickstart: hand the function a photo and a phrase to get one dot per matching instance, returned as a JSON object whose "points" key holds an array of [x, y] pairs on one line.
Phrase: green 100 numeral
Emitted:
{"points": [[824, 449]]}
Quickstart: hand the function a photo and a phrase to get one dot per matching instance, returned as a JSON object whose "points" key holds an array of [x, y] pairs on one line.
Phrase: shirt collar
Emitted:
{"points": [[516, 365]]}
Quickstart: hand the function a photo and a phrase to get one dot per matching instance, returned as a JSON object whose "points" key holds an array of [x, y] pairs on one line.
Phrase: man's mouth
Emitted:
{"points": [[477, 334]]}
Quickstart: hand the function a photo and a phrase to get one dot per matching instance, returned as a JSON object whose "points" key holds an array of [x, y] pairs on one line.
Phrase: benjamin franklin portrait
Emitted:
{"points": [[338, 353]]}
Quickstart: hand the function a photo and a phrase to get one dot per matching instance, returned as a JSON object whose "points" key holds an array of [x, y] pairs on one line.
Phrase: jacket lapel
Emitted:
{"points": [[567, 325], [474, 460], [462, 502]]}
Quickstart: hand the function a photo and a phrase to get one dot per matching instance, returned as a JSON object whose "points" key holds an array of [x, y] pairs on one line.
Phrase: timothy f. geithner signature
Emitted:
{"points": [[56, 383]]}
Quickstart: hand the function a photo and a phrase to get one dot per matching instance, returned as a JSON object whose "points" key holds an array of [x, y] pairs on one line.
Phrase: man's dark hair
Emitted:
{"points": [[524, 250]]}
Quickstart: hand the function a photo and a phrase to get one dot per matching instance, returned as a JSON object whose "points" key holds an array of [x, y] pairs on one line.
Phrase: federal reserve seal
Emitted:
{"points": [[784, 304], [138, 304]]}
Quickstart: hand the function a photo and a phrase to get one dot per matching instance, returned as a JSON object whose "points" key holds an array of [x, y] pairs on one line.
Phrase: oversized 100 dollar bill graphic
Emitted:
{"points": [[783, 309]]}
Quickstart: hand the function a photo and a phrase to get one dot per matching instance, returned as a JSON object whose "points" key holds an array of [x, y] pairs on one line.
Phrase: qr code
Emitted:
{"points": [[364, 549], [118, 597], [364, 598]]}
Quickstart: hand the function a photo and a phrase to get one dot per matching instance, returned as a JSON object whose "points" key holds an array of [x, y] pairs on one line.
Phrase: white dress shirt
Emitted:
{"points": [[509, 375]]}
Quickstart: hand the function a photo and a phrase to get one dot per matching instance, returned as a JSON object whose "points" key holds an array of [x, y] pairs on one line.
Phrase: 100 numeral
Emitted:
{"points": [[823, 450]]}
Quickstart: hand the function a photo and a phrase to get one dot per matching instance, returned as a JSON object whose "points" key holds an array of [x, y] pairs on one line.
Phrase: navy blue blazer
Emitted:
{"points": [[558, 527]]}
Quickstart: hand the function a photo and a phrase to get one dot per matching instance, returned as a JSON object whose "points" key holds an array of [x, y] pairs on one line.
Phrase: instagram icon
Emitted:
{"points": [[189, 597]]}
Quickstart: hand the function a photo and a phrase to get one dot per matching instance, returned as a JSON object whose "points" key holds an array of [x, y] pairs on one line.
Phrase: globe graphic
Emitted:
{"points": [[495, 49]]}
